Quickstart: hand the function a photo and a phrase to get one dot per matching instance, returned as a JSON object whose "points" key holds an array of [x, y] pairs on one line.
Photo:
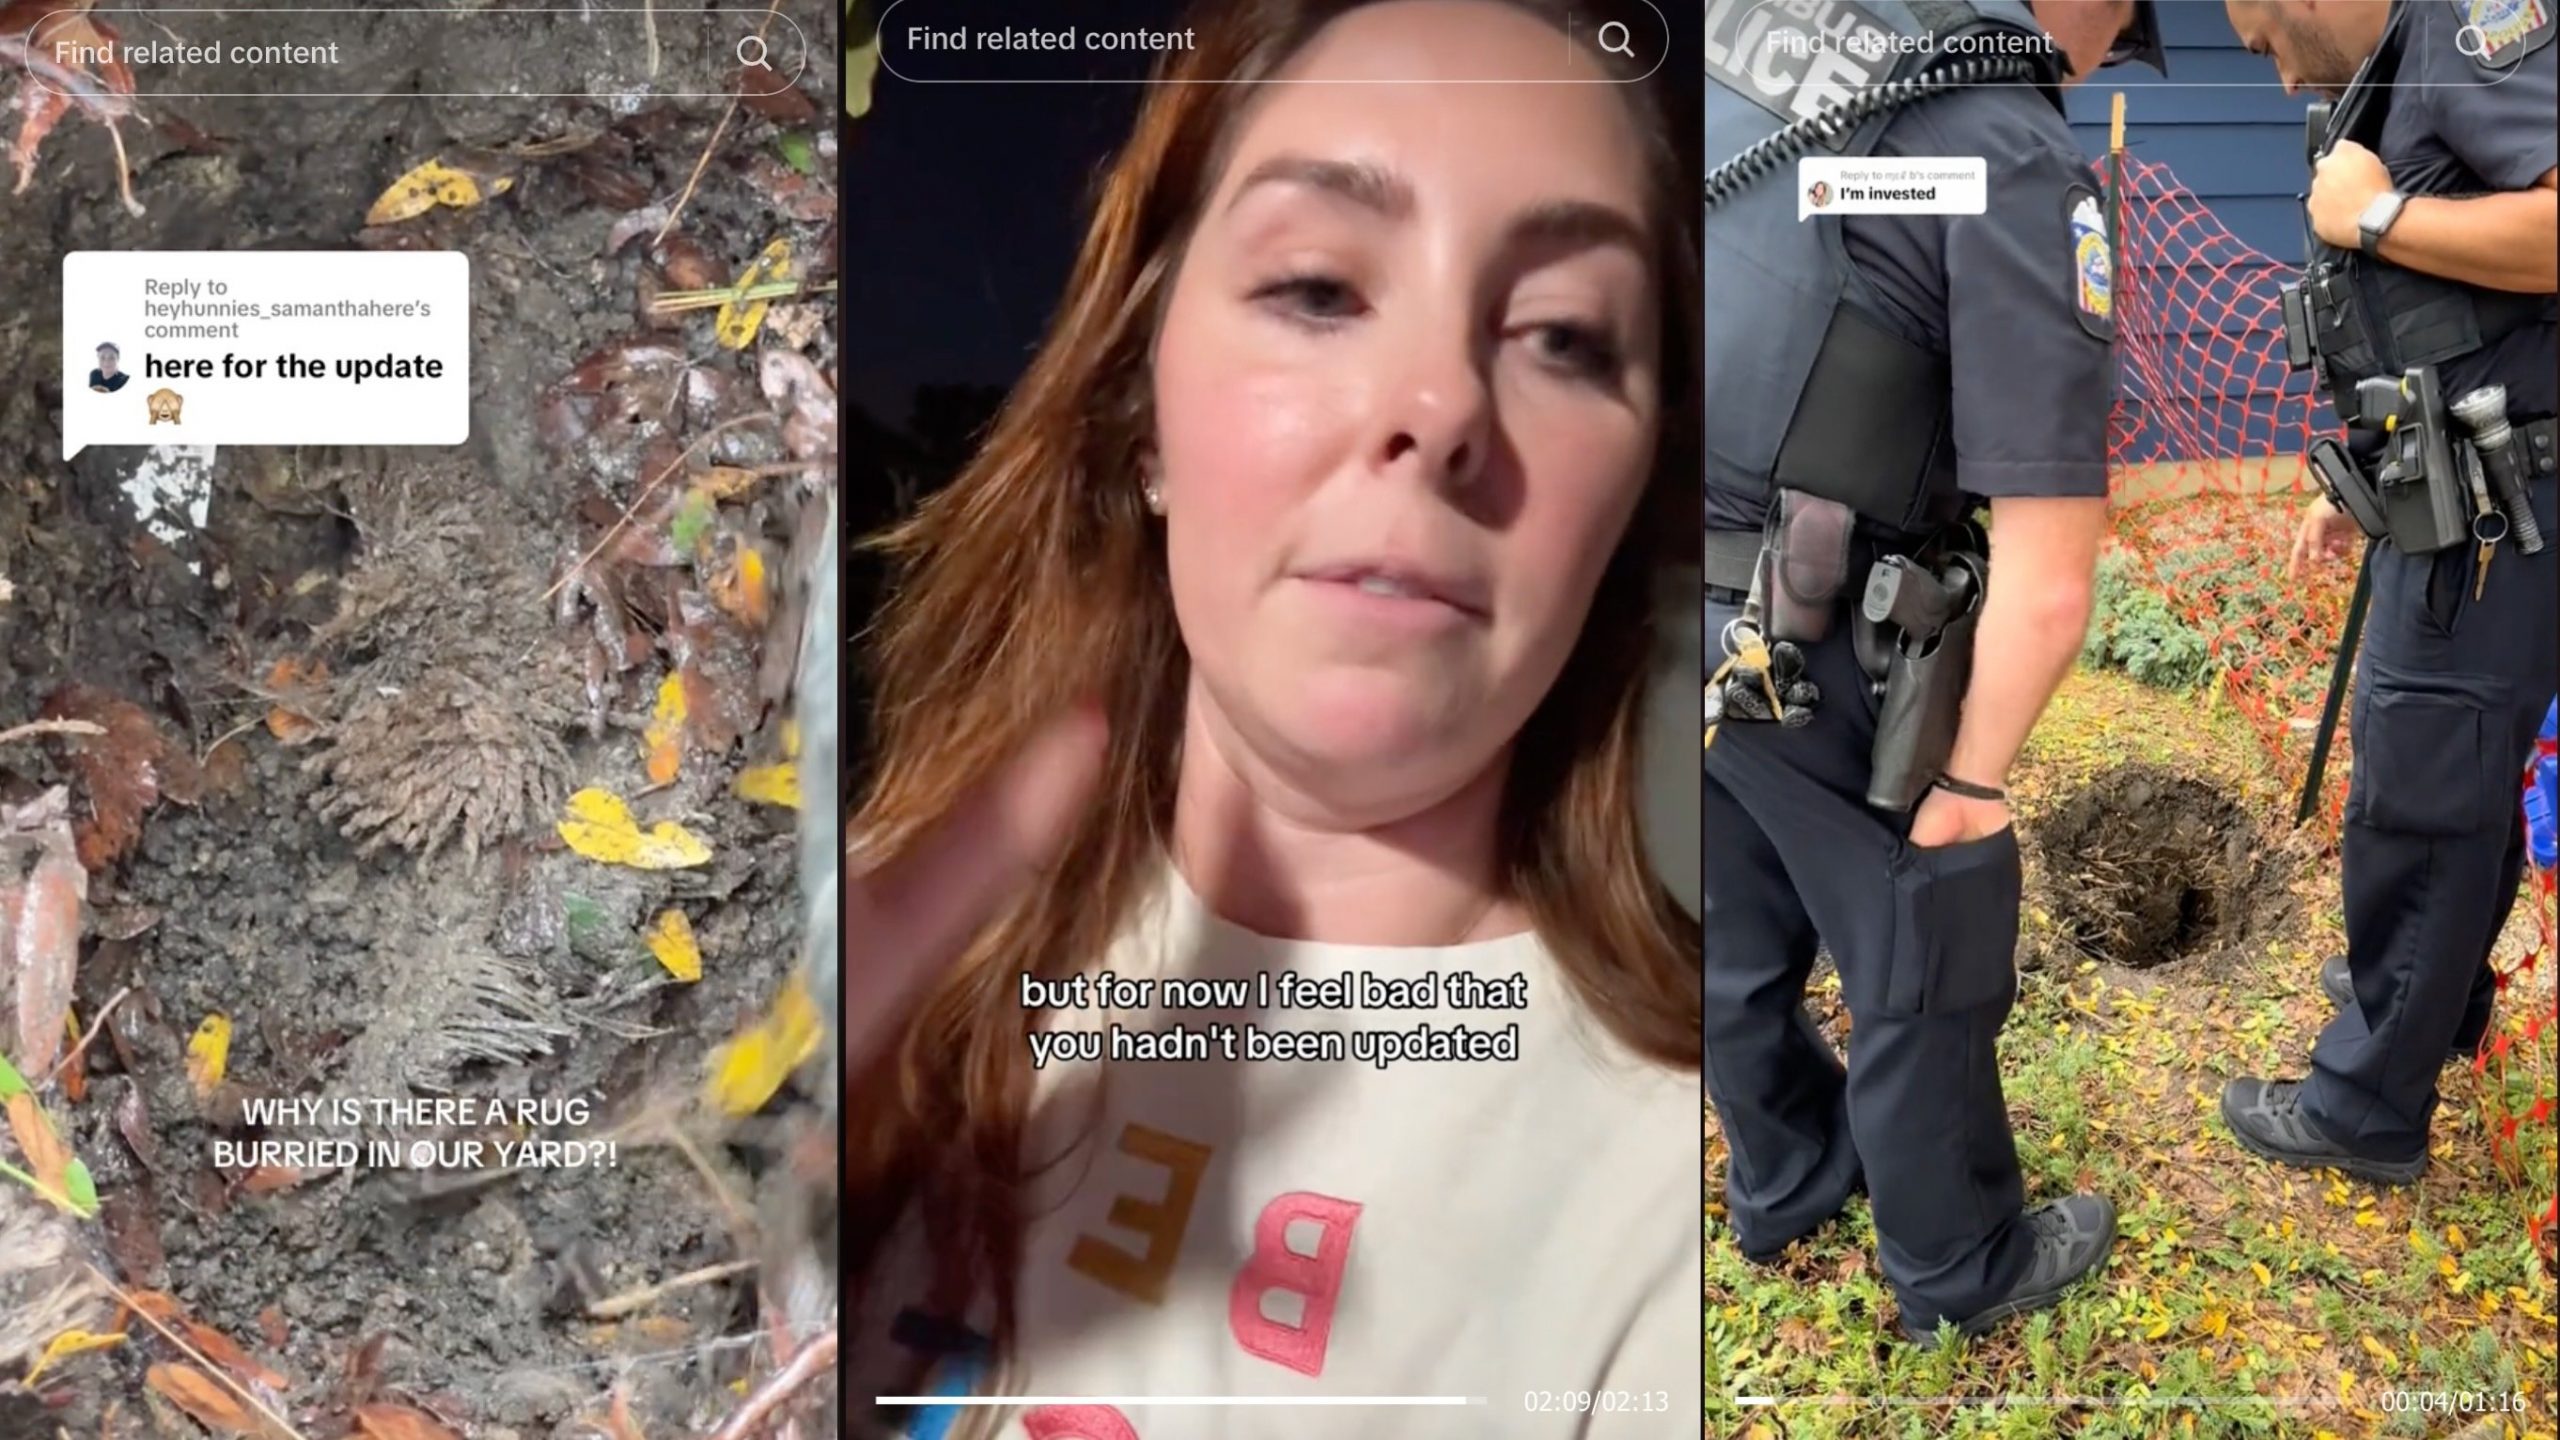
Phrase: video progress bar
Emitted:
{"points": [[1131, 1402]]}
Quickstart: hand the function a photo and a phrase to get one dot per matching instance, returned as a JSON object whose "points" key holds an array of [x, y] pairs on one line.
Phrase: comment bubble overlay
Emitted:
{"points": [[211, 347], [1892, 185]]}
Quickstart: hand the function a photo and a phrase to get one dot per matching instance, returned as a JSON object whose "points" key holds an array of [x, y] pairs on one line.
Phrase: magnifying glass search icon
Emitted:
{"points": [[1615, 39], [751, 53]]}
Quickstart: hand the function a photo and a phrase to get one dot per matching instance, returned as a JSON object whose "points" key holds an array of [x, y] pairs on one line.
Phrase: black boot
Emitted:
{"points": [[2266, 1117], [2072, 1237]]}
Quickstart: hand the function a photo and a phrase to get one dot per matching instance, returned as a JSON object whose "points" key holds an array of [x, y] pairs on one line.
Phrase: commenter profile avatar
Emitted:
{"points": [[1819, 197], [107, 379]]}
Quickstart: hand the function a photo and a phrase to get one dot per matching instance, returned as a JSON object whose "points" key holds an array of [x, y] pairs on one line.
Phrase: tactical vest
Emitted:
{"points": [[1810, 382], [2376, 318]]}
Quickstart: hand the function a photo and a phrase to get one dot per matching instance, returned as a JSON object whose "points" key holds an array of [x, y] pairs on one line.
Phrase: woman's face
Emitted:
{"points": [[1406, 398]]}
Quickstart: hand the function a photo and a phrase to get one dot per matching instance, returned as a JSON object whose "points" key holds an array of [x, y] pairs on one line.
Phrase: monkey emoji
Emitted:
{"points": [[164, 405]]}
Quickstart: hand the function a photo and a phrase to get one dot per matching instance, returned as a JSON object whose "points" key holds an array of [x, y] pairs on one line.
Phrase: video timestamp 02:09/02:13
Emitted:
{"points": [[1606, 1402]]}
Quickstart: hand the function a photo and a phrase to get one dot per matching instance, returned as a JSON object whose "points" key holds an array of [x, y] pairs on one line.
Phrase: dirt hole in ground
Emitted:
{"points": [[2147, 866]]}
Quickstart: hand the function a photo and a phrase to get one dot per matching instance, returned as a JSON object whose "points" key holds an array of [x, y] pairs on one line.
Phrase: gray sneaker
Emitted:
{"points": [[2266, 1117], [2072, 1237]]}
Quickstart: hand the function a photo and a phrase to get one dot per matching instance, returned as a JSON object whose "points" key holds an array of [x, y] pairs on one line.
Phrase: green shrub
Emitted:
{"points": [[2132, 628]]}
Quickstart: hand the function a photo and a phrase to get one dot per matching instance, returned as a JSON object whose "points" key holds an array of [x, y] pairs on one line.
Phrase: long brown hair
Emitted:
{"points": [[1038, 575]]}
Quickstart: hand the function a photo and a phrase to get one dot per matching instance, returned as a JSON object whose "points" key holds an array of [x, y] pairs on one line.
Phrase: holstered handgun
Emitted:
{"points": [[1926, 670], [2422, 491]]}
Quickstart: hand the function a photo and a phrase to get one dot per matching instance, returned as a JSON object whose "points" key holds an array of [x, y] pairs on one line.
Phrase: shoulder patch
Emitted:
{"points": [[2498, 33], [2093, 262]]}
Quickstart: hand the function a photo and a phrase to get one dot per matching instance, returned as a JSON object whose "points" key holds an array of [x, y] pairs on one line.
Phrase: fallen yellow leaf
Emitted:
{"points": [[2259, 1269], [69, 1342], [2214, 1322], [2453, 1236], [671, 940], [2377, 1349], [599, 826], [209, 1054], [665, 735], [771, 784], [747, 1071], [428, 186], [742, 590], [736, 326]]}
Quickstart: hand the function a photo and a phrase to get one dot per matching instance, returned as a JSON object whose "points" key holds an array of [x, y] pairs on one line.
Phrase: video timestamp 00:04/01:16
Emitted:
{"points": [[1607, 1402]]}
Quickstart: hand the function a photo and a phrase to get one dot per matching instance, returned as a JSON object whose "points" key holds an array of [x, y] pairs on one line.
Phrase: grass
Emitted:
{"points": [[2276, 1302]]}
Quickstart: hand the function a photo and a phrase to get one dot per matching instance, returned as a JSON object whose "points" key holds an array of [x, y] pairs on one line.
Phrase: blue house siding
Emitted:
{"points": [[2232, 139]]}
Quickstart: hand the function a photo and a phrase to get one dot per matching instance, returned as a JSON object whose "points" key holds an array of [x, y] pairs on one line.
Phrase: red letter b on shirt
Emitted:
{"points": [[1316, 1279]]}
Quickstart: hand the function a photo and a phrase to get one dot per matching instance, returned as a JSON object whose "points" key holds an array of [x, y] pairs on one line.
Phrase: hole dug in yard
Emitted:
{"points": [[2146, 866]]}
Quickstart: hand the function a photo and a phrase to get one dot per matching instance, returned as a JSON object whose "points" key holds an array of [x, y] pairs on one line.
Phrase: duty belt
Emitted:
{"points": [[1731, 558]]}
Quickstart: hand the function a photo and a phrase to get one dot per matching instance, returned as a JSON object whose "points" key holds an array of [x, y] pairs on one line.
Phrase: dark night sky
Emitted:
{"points": [[965, 202]]}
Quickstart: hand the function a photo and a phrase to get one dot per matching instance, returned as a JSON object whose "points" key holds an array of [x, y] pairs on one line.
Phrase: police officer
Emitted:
{"points": [[1895, 369], [2436, 211]]}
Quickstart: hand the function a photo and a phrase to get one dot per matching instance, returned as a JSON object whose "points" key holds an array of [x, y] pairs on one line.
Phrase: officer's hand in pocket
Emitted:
{"points": [[1946, 818], [908, 920], [2326, 534]]}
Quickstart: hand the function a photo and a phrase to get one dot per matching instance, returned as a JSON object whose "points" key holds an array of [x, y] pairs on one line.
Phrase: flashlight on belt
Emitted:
{"points": [[2483, 413]]}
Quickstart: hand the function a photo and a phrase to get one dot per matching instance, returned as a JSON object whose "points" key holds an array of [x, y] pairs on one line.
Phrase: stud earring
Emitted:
{"points": [[1155, 497]]}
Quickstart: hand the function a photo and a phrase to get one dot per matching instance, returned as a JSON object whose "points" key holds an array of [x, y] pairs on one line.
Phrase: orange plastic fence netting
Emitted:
{"points": [[2208, 487]]}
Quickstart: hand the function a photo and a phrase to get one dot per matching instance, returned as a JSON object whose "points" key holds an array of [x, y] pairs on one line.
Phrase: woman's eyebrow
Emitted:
{"points": [[1548, 226], [1369, 186], [1568, 225]]}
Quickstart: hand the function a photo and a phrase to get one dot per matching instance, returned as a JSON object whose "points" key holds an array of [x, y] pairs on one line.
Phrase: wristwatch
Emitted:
{"points": [[2379, 215]]}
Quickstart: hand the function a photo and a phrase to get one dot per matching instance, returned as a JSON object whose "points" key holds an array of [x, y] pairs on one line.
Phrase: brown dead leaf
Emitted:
{"points": [[268, 1179], [42, 887], [133, 1122], [688, 265], [31, 35], [794, 381], [226, 769], [126, 922], [271, 1327], [132, 1222], [48, 1159], [726, 482], [294, 684], [75, 1065], [222, 1350], [399, 1422], [156, 1304], [364, 1370], [200, 1396], [718, 666], [126, 771]]}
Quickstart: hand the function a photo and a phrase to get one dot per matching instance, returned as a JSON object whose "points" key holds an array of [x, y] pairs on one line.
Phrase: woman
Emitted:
{"points": [[1294, 620]]}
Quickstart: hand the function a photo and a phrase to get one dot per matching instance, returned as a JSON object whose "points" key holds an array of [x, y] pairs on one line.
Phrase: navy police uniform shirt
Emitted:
{"points": [[2020, 298], [2466, 124]]}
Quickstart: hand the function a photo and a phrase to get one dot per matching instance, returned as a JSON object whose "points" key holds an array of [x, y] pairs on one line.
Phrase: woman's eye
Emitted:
{"points": [[1582, 351], [1312, 297]]}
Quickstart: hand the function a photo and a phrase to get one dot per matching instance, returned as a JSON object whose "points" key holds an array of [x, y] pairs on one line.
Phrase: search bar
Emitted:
{"points": [[351, 52], [989, 42]]}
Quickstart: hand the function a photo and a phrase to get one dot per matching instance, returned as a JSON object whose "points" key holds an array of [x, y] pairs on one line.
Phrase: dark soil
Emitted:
{"points": [[2146, 867], [385, 911]]}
